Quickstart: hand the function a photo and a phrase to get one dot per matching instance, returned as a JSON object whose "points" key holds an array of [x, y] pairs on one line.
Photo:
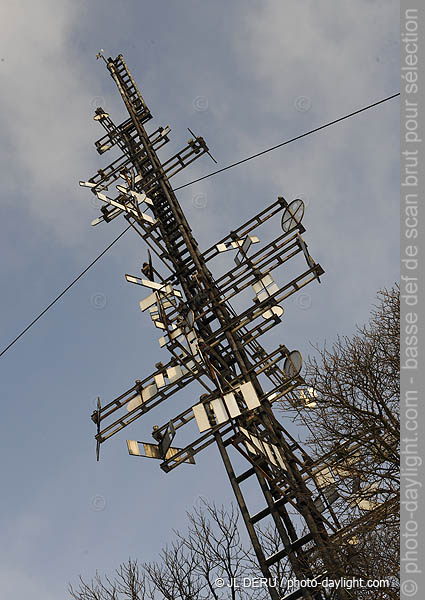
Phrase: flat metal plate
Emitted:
{"points": [[232, 405], [219, 410], [137, 401], [201, 417], [133, 448], [250, 395]]}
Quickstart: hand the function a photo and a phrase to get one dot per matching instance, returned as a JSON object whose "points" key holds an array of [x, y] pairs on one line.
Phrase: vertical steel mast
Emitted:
{"points": [[217, 347]]}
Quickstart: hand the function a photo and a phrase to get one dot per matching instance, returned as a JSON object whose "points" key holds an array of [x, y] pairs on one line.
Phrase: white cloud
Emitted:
{"points": [[45, 113], [339, 58]]}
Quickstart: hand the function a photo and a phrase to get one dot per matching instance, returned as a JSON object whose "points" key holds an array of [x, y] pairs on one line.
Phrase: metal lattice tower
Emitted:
{"points": [[216, 346]]}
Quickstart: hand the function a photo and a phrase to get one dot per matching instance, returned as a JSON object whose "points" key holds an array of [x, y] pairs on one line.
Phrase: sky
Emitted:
{"points": [[245, 75]]}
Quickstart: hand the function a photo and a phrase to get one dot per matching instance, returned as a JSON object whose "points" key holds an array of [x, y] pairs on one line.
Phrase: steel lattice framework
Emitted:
{"points": [[218, 347]]}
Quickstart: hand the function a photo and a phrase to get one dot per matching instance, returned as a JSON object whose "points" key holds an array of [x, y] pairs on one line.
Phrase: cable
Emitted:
{"points": [[65, 290], [298, 137]]}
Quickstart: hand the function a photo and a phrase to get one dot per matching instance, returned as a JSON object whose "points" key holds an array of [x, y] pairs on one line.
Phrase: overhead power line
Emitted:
{"points": [[64, 291], [294, 139], [235, 164]]}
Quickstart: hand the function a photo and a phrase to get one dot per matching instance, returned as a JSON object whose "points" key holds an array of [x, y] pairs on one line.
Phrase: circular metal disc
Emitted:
{"points": [[293, 364], [292, 215]]}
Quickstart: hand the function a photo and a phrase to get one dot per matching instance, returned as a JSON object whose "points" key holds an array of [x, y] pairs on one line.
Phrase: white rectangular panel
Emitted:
{"points": [[250, 395], [267, 280], [201, 417], [87, 184], [115, 203], [270, 454], [137, 401], [147, 218], [220, 247], [232, 405], [162, 341], [279, 458], [133, 448], [250, 448], [257, 287], [152, 284], [151, 450], [176, 333], [147, 302], [165, 303], [168, 289], [132, 279], [367, 504], [219, 410], [324, 478], [263, 295], [149, 391], [191, 336], [174, 373], [159, 380], [257, 443]]}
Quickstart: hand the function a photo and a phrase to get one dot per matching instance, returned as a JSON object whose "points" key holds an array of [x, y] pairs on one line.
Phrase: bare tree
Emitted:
{"points": [[353, 420], [354, 432], [209, 551]]}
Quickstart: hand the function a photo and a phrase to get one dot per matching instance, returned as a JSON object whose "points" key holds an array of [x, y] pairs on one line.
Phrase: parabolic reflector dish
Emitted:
{"points": [[292, 215], [293, 363]]}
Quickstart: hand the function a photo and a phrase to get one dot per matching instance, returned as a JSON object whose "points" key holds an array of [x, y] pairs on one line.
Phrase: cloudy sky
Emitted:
{"points": [[246, 75]]}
